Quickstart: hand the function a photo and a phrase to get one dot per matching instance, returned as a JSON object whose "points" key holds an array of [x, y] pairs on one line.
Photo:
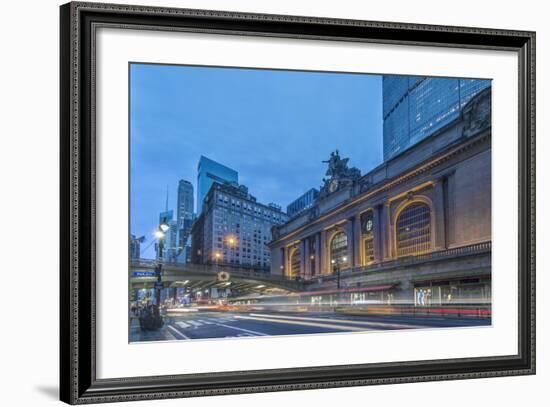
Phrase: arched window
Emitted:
{"points": [[413, 230], [367, 236], [295, 263], [339, 250]]}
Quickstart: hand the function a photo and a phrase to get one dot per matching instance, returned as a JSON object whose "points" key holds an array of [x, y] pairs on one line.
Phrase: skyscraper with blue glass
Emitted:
{"points": [[208, 172], [415, 107]]}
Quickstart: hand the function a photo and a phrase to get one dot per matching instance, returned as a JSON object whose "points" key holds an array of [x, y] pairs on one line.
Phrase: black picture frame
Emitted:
{"points": [[78, 382]]}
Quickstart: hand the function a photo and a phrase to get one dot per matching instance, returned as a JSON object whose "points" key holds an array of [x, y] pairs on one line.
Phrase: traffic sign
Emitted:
{"points": [[159, 286], [144, 274]]}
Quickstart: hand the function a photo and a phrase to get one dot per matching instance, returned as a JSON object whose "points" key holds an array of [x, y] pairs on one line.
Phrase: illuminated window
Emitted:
{"points": [[413, 230], [295, 263], [368, 250], [367, 232], [339, 249]]}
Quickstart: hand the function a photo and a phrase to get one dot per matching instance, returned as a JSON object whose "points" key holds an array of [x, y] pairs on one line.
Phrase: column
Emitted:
{"points": [[377, 233], [357, 240], [439, 208], [323, 253], [450, 211], [385, 232], [350, 233], [282, 268], [304, 258], [318, 253]]}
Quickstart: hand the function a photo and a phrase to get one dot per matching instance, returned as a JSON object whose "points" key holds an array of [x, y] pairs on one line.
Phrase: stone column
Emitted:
{"points": [[318, 254], [323, 253], [439, 208], [283, 269], [377, 233], [305, 257], [350, 233], [386, 232], [357, 240]]}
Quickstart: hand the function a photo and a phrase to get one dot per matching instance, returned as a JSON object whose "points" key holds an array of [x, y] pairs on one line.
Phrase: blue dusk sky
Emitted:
{"points": [[273, 127]]}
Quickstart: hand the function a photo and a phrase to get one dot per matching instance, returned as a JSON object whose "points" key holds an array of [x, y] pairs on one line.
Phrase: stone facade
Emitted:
{"points": [[432, 202], [234, 229]]}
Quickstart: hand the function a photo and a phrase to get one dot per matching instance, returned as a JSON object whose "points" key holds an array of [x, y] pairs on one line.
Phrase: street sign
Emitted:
{"points": [[144, 274], [159, 286]]}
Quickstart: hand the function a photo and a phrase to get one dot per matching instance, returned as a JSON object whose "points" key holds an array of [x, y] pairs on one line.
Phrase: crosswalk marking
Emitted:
{"points": [[194, 323], [177, 333], [182, 324], [206, 322]]}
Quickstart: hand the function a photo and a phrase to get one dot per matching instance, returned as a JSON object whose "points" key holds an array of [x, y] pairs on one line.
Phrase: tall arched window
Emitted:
{"points": [[295, 263], [413, 230], [367, 236], [339, 249]]}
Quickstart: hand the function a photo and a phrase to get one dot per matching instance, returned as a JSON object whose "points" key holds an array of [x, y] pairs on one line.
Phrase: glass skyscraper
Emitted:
{"points": [[184, 216], [208, 172], [304, 202], [414, 107]]}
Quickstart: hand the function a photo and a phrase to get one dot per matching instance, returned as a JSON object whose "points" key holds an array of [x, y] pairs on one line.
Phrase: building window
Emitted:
{"points": [[367, 232], [413, 235], [368, 250], [339, 249], [295, 263]]}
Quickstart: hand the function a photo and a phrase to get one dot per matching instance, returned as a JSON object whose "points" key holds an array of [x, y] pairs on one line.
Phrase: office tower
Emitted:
{"points": [[184, 217], [303, 203], [415, 107], [208, 172], [234, 228]]}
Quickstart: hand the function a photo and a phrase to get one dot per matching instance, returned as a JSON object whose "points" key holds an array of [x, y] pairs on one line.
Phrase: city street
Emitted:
{"points": [[206, 325]]}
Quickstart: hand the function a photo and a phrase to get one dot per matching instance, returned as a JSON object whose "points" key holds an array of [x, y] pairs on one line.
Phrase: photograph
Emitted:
{"points": [[269, 202]]}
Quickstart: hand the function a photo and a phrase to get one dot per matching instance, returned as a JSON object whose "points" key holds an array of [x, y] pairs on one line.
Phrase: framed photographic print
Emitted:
{"points": [[256, 203]]}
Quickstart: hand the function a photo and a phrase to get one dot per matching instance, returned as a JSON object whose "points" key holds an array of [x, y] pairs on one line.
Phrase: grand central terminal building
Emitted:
{"points": [[415, 230]]}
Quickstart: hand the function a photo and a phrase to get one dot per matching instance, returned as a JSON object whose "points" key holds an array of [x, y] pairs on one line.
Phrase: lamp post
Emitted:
{"points": [[230, 241], [160, 234], [217, 256], [336, 264]]}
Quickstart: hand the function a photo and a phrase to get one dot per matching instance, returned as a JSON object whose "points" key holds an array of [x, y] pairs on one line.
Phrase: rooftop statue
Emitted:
{"points": [[339, 173]]}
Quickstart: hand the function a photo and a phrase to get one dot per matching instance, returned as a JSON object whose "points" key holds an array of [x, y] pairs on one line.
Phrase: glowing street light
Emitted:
{"points": [[336, 264]]}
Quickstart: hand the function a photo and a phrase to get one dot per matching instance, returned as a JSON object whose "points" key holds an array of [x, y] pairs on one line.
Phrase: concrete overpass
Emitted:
{"points": [[199, 276]]}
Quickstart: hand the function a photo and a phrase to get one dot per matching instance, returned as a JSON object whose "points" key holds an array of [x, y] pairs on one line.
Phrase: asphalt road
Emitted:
{"points": [[207, 325]]}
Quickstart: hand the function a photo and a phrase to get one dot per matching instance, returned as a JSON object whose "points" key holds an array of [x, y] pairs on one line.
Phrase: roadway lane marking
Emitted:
{"points": [[255, 333], [344, 321], [177, 333], [304, 323], [182, 324], [195, 323]]}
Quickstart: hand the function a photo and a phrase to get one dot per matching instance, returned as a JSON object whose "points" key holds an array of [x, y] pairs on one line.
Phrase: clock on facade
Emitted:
{"points": [[366, 222], [368, 226]]}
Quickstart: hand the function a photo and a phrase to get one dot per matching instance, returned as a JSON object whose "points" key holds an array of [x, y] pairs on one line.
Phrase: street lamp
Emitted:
{"points": [[336, 264], [160, 234], [217, 257]]}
